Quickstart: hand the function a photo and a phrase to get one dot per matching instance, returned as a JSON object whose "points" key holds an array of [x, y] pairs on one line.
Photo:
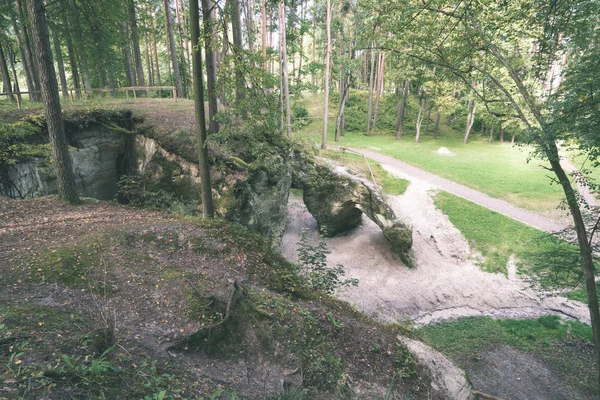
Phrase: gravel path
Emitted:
{"points": [[527, 217]]}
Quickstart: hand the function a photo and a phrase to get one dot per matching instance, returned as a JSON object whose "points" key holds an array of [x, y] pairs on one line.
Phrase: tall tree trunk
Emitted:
{"points": [[299, 76], [512, 139], [87, 84], [314, 45], [155, 51], [501, 134], [16, 88], [371, 84], [379, 88], [61, 64], [263, 7], [7, 86], [272, 63], [205, 181], [428, 119], [211, 64], [236, 27], [250, 29], [437, 125], [587, 262], [184, 74], [173, 49], [339, 122], [185, 34], [284, 69], [64, 170], [327, 69], [126, 46], [223, 95], [168, 42], [491, 134], [35, 78], [470, 119], [148, 61], [420, 116], [27, 68], [135, 41], [402, 110], [72, 60]]}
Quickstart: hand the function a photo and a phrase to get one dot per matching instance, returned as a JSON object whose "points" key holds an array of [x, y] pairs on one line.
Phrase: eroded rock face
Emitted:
{"points": [[337, 200], [260, 200], [97, 162]]}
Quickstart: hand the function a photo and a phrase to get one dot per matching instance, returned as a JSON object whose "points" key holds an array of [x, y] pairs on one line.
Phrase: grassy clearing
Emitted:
{"points": [[564, 346], [389, 183], [497, 237], [500, 170]]}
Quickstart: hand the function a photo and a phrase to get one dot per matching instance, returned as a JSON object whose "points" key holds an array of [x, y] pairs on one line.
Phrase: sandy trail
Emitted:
{"points": [[445, 284]]}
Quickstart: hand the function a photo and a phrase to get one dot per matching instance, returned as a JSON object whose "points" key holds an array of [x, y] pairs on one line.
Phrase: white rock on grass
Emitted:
{"points": [[443, 151]]}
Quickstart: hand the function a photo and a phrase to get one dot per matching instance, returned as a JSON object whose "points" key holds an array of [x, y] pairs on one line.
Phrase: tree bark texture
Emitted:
{"points": [[327, 71], [61, 64], [211, 64], [16, 88], [135, 41], [173, 49], [402, 109], [49, 87], [205, 181], [87, 84], [131, 77], [7, 86], [470, 119], [35, 78], [371, 87], [236, 27], [284, 69]]}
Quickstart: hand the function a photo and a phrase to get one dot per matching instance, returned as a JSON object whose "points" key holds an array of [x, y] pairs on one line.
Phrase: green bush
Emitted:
{"points": [[299, 115], [313, 265]]}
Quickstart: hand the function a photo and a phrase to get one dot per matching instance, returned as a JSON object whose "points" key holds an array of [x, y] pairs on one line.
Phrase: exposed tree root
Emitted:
{"points": [[236, 293]]}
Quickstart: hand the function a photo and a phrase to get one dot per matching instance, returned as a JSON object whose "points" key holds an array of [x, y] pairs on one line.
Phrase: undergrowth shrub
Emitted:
{"points": [[313, 267], [299, 115]]}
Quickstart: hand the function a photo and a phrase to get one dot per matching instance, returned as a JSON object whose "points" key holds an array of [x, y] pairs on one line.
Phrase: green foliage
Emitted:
{"points": [[538, 254], [300, 116], [389, 183], [563, 345], [405, 364], [18, 143], [313, 266], [173, 190]]}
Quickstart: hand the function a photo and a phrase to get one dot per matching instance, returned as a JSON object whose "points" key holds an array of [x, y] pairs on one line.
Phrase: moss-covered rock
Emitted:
{"points": [[337, 200], [260, 200]]}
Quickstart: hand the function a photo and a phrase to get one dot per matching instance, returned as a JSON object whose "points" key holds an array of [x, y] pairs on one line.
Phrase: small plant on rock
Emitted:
{"points": [[313, 266]]}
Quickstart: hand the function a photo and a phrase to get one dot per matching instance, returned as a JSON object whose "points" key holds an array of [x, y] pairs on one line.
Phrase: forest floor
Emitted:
{"points": [[96, 297]]}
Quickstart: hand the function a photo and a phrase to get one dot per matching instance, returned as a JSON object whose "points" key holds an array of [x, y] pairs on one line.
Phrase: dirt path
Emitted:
{"points": [[446, 283], [527, 217]]}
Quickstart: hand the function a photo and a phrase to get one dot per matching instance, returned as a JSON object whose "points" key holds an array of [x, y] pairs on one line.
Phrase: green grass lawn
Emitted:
{"points": [[500, 170], [389, 183], [497, 237], [564, 346]]}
